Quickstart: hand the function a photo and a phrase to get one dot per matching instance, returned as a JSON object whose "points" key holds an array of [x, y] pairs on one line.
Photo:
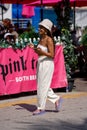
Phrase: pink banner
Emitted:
{"points": [[59, 78], [18, 70]]}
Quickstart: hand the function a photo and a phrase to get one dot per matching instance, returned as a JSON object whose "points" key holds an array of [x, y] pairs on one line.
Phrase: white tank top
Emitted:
{"points": [[42, 47]]}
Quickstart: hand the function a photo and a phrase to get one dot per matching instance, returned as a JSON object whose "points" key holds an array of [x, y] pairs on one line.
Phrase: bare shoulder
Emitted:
{"points": [[49, 40]]}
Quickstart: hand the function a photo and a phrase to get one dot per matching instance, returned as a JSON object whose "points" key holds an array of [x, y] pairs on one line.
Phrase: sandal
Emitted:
{"points": [[38, 112], [58, 104]]}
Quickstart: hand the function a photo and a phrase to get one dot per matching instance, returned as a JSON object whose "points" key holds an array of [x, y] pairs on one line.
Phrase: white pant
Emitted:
{"points": [[45, 69]]}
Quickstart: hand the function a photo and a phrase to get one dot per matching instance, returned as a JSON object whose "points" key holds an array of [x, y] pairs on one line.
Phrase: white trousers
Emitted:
{"points": [[45, 69]]}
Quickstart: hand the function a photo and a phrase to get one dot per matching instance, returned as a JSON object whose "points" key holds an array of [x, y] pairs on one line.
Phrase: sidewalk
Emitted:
{"points": [[80, 82], [16, 113]]}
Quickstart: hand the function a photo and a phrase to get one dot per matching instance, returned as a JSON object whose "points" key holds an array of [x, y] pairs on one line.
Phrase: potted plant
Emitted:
{"points": [[70, 57], [63, 11]]}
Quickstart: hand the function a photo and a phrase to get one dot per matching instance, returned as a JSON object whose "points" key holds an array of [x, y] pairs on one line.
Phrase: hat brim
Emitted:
{"points": [[41, 24]]}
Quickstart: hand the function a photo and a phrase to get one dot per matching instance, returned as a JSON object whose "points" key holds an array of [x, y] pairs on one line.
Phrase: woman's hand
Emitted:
{"points": [[38, 51], [31, 45]]}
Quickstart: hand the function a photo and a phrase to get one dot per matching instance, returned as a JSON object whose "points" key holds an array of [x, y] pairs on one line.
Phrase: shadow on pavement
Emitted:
{"points": [[28, 107]]}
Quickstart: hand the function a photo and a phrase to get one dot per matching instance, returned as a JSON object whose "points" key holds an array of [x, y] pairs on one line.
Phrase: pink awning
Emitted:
{"points": [[78, 3], [17, 1], [45, 2]]}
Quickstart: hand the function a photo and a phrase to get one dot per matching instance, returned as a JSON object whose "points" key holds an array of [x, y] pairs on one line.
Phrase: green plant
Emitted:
{"points": [[29, 33], [84, 37], [69, 55], [63, 12]]}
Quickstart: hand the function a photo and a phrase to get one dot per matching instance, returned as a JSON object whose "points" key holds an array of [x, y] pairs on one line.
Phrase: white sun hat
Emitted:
{"points": [[7, 34], [47, 24]]}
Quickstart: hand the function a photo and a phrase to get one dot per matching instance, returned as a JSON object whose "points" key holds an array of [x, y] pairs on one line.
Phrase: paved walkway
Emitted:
{"points": [[16, 114]]}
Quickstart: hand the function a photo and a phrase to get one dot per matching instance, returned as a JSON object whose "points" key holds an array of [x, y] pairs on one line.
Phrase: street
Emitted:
{"points": [[16, 114]]}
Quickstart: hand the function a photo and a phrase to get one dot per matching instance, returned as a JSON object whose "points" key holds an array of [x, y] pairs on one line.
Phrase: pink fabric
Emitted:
{"points": [[18, 70], [44, 2], [17, 1], [78, 3], [27, 11], [59, 78]]}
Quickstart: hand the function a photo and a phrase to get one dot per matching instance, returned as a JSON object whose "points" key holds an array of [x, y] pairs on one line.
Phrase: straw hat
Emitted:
{"points": [[47, 24]]}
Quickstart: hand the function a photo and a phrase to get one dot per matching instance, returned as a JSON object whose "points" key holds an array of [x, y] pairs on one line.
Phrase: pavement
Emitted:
{"points": [[16, 113], [81, 83]]}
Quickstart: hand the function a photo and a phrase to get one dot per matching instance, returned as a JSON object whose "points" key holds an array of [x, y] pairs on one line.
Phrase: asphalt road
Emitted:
{"points": [[16, 113]]}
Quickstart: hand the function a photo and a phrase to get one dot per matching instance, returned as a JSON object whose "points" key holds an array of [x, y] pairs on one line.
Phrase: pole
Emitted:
{"points": [[1, 5], [74, 15], [41, 11]]}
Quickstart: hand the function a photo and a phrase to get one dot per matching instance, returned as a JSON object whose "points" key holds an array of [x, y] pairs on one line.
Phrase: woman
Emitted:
{"points": [[45, 67]]}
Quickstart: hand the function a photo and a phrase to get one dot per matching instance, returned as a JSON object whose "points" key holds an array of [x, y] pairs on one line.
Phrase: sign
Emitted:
{"points": [[18, 70]]}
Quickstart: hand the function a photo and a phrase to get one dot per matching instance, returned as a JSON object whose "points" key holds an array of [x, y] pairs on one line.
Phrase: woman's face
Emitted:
{"points": [[42, 30]]}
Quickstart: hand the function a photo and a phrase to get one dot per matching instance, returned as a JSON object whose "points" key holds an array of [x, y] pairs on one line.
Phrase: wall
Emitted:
{"points": [[81, 17], [6, 13]]}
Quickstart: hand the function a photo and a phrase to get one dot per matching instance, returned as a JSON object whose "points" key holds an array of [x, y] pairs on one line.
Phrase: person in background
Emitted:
{"points": [[6, 23], [56, 31], [2, 31], [9, 38], [13, 32], [78, 35], [45, 68]]}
